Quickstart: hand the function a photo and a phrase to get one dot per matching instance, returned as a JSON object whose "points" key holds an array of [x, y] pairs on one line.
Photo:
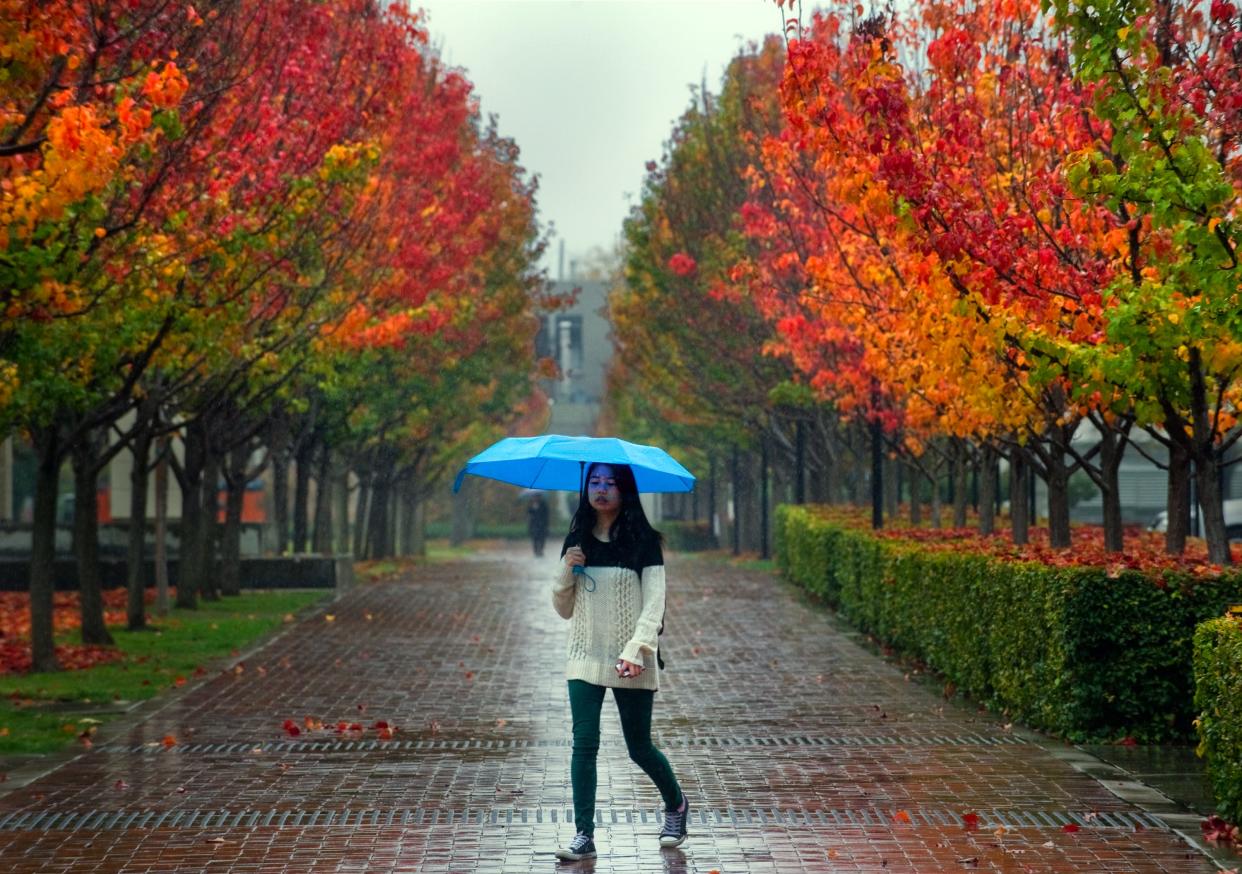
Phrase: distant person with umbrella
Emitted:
{"points": [[537, 522], [611, 589]]}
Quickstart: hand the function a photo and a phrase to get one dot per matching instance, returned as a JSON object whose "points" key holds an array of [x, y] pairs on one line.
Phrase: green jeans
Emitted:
{"points": [[634, 705]]}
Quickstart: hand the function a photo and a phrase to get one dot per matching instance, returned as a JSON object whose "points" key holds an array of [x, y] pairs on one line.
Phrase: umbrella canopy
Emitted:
{"points": [[558, 463]]}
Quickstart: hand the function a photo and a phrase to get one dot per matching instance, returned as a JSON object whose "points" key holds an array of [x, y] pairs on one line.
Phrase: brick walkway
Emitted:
{"points": [[799, 749]]}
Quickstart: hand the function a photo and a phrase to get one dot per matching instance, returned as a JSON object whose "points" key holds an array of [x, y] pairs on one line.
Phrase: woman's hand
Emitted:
{"points": [[575, 557], [628, 670]]}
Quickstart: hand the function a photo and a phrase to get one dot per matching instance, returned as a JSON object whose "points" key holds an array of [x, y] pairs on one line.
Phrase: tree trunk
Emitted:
{"points": [[861, 461], [341, 519], [86, 542], [322, 540], [735, 491], [280, 500], [193, 531], [892, 487], [916, 496], [161, 528], [209, 582], [43, 550], [1112, 450], [230, 535], [135, 559], [987, 491], [1207, 481], [303, 462], [394, 509], [405, 502], [1178, 501], [823, 479], [362, 512], [378, 528], [799, 471], [418, 531], [1056, 478], [937, 504], [764, 485], [877, 476], [1207, 459], [961, 496], [1019, 506]]}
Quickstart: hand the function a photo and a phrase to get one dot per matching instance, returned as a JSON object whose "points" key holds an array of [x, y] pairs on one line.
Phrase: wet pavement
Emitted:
{"points": [[432, 735]]}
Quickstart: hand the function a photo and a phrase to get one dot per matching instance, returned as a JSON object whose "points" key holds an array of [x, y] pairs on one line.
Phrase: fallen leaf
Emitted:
{"points": [[120, 784], [169, 741], [1070, 827], [291, 728], [970, 820], [328, 617], [901, 816]]}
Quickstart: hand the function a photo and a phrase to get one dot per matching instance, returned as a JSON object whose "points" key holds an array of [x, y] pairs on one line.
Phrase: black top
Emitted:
{"points": [[609, 554]]}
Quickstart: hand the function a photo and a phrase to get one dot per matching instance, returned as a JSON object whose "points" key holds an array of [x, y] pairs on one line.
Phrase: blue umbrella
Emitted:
{"points": [[558, 463]]}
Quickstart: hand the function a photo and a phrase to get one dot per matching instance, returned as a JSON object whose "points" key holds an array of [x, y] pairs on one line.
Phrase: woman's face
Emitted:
{"points": [[602, 490]]}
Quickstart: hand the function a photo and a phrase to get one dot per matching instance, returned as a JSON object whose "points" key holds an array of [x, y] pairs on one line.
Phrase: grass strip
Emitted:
{"points": [[41, 713]]}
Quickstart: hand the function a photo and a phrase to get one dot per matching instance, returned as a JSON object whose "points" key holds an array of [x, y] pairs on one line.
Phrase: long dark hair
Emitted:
{"points": [[630, 530]]}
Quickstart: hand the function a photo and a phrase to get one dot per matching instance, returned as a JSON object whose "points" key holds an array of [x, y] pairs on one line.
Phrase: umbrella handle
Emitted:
{"points": [[580, 571]]}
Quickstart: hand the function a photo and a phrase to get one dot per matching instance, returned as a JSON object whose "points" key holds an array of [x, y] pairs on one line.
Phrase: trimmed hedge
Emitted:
{"points": [[1073, 651], [1218, 699]]}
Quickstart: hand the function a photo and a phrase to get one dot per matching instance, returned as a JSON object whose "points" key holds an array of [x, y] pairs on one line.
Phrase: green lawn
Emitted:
{"points": [[42, 712]]}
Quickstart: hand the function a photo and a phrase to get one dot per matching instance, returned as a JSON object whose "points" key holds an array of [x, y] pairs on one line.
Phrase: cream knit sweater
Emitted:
{"points": [[620, 619]]}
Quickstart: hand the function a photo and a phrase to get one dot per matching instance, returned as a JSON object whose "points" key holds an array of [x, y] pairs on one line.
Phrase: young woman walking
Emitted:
{"points": [[611, 589]]}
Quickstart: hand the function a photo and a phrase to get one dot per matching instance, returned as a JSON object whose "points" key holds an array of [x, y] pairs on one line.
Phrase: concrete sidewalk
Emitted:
{"points": [[799, 749]]}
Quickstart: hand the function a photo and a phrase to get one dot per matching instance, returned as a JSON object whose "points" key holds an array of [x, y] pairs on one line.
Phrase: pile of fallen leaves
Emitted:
{"points": [[1144, 550], [66, 617], [351, 730]]}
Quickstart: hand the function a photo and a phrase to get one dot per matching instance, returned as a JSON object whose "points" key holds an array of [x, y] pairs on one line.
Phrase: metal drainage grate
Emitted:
{"points": [[332, 746], [96, 820]]}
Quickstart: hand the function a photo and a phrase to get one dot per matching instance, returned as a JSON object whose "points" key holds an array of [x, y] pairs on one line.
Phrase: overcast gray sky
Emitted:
{"points": [[589, 89]]}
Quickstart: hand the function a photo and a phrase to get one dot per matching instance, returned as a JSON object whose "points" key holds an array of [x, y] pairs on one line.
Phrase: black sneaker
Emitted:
{"points": [[581, 847], [674, 832]]}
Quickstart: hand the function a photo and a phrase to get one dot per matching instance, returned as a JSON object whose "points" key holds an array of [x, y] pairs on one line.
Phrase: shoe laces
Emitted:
{"points": [[580, 840], [673, 821]]}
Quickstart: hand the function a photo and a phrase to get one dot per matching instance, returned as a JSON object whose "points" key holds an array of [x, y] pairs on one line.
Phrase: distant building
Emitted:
{"points": [[579, 340]]}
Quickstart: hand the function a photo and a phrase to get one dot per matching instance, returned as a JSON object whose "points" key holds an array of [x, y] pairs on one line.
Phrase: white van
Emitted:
{"points": [[1233, 520]]}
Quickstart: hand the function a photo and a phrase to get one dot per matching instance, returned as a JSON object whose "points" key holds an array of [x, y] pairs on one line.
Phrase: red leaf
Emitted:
{"points": [[291, 728], [1069, 827], [970, 820]]}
